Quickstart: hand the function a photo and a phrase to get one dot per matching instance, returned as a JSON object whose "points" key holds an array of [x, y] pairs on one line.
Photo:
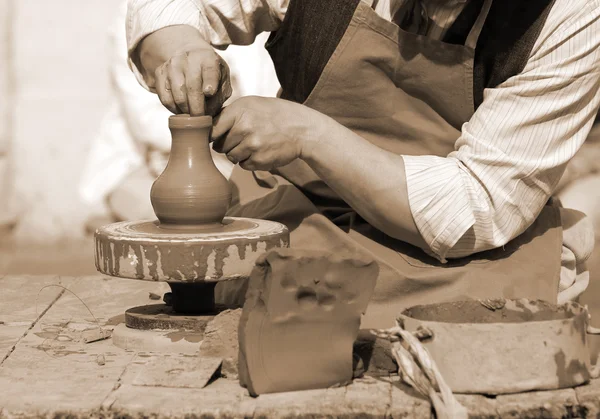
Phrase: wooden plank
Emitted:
{"points": [[54, 351], [588, 397], [107, 298], [367, 397], [555, 404], [220, 399], [59, 377], [18, 310], [301, 404], [406, 403], [177, 371], [479, 407]]}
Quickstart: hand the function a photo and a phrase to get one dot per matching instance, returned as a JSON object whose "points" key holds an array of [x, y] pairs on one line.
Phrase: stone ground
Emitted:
{"points": [[46, 370]]}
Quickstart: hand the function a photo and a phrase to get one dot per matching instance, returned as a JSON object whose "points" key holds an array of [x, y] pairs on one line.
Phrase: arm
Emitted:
{"points": [[160, 29], [503, 170], [380, 196]]}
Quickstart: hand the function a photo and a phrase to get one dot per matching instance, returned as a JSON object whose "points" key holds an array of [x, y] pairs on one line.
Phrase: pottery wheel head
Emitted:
{"points": [[147, 251]]}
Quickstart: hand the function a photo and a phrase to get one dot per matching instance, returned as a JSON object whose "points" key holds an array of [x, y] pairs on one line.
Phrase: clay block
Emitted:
{"points": [[300, 319], [221, 340]]}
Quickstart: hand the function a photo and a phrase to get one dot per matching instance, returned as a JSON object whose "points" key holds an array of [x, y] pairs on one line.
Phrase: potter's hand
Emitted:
{"points": [[186, 72], [263, 133]]}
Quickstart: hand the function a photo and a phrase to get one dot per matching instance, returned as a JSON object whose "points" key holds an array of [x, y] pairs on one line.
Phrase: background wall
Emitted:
{"points": [[6, 93], [54, 85], [54, 89]]}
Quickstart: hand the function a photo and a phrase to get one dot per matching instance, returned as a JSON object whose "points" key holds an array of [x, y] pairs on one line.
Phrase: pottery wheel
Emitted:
{"points": [[203, 254], [163, 317]]}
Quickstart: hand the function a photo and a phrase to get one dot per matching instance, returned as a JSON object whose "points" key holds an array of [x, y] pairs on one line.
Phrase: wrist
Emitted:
{"points": [[313, 136], [158, 47]]}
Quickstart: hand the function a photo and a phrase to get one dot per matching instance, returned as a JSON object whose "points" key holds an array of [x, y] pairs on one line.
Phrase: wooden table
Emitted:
{"points": [[47, 370]]}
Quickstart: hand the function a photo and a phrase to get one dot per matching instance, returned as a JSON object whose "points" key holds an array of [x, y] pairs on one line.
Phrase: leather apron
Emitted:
{"points": [[408, 94]]}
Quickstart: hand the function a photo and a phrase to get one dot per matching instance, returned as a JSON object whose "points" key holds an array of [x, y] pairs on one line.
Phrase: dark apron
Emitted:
{"points": [[410, 95]]}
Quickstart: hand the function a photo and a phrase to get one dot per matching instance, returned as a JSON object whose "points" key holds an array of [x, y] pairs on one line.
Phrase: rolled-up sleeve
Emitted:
{"points": [[513, 151], [147, 16], [220, 22]]}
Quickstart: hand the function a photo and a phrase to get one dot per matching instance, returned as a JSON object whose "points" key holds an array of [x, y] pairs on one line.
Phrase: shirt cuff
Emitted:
{"points": [[439, 201], [147, 16]]}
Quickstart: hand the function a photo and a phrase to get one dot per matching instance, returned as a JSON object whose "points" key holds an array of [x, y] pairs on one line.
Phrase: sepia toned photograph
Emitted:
{"points": [[300, 209]]}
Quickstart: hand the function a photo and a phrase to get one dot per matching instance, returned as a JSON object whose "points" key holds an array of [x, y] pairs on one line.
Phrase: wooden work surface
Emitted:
{"points": [[47, 370]]}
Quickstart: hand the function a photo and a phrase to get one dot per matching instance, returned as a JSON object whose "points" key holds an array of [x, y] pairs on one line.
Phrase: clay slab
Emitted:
{"points": [[301, 318]]}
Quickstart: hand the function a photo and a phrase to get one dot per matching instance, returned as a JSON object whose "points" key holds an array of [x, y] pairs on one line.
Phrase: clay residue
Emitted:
{"points": [[176, 261], [46, 335], [227, 226], [151, 253], [570, 373], [162, 317], [178, 335], [221, 341], [475, 312]]}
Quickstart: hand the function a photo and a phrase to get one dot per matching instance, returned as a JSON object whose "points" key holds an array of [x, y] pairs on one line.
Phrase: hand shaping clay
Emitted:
{"points": [[300, 319]]}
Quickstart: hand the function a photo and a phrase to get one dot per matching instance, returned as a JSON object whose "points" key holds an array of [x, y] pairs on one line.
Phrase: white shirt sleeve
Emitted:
{"points": [[221, 22], [513, 152]]}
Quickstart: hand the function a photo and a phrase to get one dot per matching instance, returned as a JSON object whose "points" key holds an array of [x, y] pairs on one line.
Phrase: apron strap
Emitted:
{"points": [[471, 41]]}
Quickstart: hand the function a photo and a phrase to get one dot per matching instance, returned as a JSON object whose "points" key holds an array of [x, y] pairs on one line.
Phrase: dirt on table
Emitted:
{"points": [[476, 312]]}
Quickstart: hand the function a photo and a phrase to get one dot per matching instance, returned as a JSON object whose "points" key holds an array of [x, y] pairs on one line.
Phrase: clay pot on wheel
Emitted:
{"points": [[191, 191]]}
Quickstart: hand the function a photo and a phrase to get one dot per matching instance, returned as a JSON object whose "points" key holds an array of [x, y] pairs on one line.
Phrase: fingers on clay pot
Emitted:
{"points": [[300, 319]]}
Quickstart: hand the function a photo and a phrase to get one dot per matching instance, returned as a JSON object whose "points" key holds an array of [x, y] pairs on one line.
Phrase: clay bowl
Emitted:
{"points": [[524, 345]]}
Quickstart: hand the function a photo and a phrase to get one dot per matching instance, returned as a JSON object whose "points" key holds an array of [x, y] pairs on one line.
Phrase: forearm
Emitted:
{"points": [[371, 180]]}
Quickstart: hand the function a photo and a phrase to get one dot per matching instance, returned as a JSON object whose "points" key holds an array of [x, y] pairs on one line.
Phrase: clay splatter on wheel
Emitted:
{"points": [[145, 250]]}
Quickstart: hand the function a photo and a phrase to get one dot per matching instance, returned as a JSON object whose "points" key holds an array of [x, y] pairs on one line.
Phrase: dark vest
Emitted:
{"points": [[312, 29]]}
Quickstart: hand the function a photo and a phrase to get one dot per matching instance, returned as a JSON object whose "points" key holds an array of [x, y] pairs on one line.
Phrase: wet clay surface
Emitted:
{"points": [[301, 318], [155, 228], [191, 190], [513, 311]]}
